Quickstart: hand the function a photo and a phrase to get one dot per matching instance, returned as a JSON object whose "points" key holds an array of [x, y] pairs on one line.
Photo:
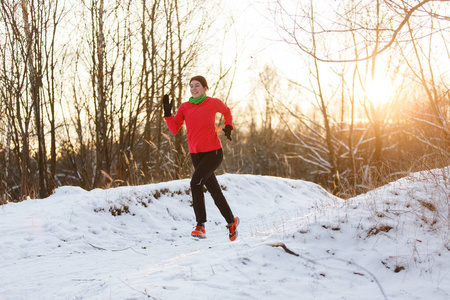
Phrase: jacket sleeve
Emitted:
{"points": [[175, 122], [226, 112]]}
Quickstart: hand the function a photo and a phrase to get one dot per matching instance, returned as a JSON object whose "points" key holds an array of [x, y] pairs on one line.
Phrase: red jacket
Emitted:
{"points": [[200, 123]]}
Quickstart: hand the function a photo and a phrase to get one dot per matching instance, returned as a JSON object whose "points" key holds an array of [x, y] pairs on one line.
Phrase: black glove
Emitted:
{"points": [[227, 131], [167, 106]]}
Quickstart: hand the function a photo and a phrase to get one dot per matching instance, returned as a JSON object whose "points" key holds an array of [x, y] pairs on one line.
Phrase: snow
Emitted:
{"points": [[134, 242]]}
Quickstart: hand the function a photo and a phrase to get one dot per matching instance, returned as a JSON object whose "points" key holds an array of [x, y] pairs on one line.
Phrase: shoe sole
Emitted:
{"points": [[198, 236]]}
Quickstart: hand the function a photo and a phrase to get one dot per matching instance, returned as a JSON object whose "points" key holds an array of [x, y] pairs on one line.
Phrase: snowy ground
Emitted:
{"points": [[134, 243]]}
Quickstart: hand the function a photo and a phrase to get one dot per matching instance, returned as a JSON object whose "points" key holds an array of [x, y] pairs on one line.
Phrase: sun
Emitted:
{"points": [[379, 90]]}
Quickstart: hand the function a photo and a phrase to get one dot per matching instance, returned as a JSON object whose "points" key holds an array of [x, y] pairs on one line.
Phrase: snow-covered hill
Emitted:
{"points": [[296, 241]]}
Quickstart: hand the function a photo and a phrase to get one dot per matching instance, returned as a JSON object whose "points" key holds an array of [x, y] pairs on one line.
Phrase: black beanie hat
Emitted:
{"points": [[200, 79]]}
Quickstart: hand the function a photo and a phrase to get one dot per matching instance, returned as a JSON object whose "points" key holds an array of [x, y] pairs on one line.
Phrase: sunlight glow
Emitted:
{"points": [[379, 90]]}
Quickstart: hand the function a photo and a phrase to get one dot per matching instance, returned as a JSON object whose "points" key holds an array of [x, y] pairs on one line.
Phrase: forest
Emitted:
{"points": [[366, 98]]}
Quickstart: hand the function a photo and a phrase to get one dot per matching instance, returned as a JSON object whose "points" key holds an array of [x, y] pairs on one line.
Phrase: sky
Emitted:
{"points": [[259, 43], [254, 37]]}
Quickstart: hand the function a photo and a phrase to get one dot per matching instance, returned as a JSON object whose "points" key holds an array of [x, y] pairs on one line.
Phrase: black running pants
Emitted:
{"points": [[205, 163]]}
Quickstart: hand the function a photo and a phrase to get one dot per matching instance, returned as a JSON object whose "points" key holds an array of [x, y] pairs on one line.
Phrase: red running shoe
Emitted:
{"points": [[233, 229], [199, 232]]}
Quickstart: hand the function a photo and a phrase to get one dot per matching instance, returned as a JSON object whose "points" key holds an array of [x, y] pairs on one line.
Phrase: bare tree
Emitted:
{"points": [[28, 69], [360, 34], [422, 65], [148, 82], [100, 92]]}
